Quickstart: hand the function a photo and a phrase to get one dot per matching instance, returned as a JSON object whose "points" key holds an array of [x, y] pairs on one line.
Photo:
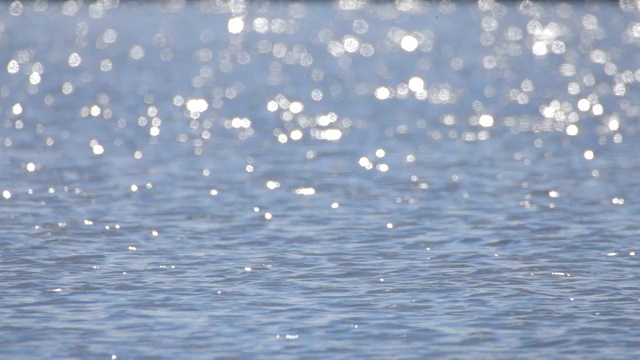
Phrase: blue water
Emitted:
{"points": [[279, 180]]}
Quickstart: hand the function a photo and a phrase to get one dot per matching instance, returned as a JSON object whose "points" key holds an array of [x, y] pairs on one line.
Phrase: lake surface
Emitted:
{"points": [[346, 180]]}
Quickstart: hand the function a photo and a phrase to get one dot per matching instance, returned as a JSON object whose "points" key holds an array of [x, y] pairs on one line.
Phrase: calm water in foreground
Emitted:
{"points": [[320, 180]]}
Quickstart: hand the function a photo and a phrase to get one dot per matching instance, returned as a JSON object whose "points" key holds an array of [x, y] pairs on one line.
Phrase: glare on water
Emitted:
{"points": [[337, 179]]}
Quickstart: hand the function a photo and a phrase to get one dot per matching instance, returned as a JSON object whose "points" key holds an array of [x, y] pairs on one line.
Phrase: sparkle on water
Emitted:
{"points": [[354, 179]]}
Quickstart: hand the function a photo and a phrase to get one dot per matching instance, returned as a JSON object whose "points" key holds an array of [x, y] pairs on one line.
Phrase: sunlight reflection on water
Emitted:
{"points": [[318, 179]]}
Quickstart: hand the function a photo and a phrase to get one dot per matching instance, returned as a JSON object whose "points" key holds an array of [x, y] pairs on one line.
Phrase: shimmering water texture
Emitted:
{"points": [[319, 180]]}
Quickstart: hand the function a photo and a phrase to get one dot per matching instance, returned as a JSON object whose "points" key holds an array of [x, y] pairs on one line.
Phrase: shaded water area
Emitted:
{"points": [[319, 180]]}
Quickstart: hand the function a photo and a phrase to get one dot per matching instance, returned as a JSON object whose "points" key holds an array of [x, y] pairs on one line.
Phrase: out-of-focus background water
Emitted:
{"points": [[343, 179]]}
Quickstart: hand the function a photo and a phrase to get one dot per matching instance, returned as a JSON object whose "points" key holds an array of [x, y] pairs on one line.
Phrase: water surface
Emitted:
{"points": [[319, 180]]}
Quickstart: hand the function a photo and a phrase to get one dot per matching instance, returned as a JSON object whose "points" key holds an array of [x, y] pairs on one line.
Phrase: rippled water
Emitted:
{"points": [[319, 180]]}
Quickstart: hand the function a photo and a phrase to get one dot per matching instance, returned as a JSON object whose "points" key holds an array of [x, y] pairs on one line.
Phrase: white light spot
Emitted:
{"points": [[272, 106], [409, 43], [261, 25], [335, 205], [597, 109], [389, 226], [154, 233], [16, 109], [31, 167], [98, 149], [95, 111], [6, 194], [235, 25], [540, 48], [296, 135], [416, 84], [268, 216], [614, 124], [238, 123], [584, 105], [572, 130], [325, 120], [67, 88], [213, 192], [13, 67], [554, 194], [549, 112], [296, 107], [317, 94], [617, 201], [351, 44], [307, 191], [382, 167], [365, 163], [382, 93], [272, 184], [380, 153], [134, 187], [588, 154], [197, 105], [132, 248], [106, 65], [34, 78], [74, 59], [486, 120], [330, 134]]}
